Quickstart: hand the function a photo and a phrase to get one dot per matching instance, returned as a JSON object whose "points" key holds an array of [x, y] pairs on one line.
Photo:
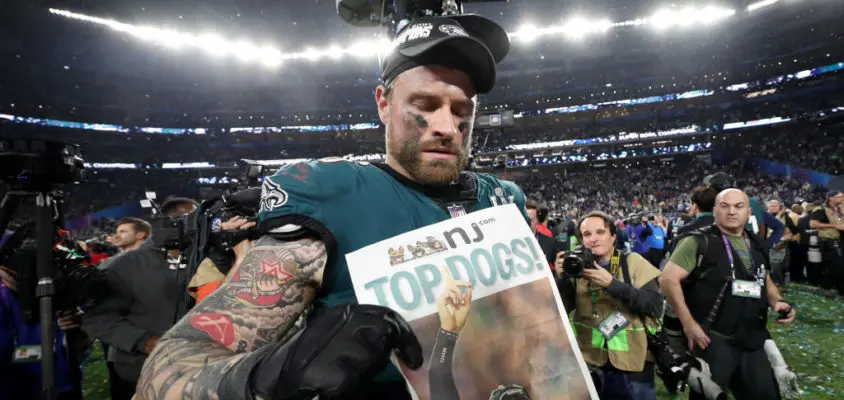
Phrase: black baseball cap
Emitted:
{"points": [[468, 42], [719, 181]]}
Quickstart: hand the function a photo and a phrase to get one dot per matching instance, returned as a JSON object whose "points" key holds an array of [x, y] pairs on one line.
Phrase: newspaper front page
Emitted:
{"points": [[481, 298]]}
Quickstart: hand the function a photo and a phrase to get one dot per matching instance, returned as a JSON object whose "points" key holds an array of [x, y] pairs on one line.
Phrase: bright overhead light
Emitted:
{"points": [[576, 27]]}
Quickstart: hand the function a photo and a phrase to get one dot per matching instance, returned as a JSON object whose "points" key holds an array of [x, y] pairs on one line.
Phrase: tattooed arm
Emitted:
{"points": [[257, 305]]}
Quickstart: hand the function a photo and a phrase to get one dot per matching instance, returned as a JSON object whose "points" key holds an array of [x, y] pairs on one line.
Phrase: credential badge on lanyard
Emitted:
{"points": [[742, 288]]}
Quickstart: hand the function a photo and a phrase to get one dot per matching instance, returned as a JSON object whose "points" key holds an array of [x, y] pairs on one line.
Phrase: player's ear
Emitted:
{"points": [[383, 102]]}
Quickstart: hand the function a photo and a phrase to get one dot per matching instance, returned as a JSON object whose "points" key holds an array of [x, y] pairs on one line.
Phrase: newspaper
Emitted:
{"points": [[480, 296]]}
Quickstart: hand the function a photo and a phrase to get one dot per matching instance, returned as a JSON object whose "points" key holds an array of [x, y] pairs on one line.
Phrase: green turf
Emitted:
{"points": [[813, 346]]}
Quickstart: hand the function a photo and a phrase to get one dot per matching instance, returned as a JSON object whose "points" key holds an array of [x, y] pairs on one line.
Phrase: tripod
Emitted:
{"points": [[48, 217]]}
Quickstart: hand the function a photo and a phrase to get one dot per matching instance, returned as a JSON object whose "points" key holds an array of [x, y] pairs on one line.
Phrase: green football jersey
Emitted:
{"points": [[352, 205]]}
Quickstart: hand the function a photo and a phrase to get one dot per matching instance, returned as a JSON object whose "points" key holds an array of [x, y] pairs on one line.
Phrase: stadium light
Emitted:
{"points": [[268, 55], [761, 4]]}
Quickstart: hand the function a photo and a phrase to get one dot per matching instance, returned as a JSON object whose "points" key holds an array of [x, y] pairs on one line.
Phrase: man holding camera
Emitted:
{"points": [[285, 325], [612, 295], [718, 283]]}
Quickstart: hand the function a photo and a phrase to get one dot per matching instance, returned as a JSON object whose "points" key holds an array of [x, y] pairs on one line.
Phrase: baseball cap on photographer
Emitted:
{"points": [[470, 43]]}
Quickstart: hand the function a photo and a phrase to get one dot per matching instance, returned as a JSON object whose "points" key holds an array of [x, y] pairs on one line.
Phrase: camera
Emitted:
{"points": [[199, 234], [579, 259], [78, 284], [33, 169], [677, 369], [50, 268], [390, 13]]}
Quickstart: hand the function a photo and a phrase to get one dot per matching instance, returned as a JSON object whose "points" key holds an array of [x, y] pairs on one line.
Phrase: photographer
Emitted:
{"points": [[722, 272], [148, 287], [20, 340], [214, 268], [611, 297], [639, 231]]}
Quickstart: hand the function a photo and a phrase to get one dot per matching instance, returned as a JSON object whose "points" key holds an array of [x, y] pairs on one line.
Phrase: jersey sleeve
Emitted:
{"points": [[518, 197], [685, 254], [294, 202]]}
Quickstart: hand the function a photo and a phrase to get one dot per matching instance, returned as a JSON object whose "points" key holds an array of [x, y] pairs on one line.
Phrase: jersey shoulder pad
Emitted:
{"points": [[487, 184], [303, 188]]}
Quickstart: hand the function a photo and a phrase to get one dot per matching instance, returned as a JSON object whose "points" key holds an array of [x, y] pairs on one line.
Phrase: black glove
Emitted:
{"points": [[345, 347]]}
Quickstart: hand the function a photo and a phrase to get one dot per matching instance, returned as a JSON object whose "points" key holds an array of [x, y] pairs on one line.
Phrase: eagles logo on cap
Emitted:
{"points": [[470, 43], [453, 30]]}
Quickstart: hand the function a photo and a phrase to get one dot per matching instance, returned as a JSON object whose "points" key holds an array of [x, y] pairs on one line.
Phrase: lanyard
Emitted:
{"points": [[593, 291], [730, 253]]}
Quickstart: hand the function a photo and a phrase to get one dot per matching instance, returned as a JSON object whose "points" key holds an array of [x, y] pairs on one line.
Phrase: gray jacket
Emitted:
{"points": [[147, 300]]}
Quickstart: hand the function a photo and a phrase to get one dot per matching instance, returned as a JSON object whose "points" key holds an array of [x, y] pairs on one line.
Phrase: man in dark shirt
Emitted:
{"points": [[549, 246], [148, 287], [703, 201]]}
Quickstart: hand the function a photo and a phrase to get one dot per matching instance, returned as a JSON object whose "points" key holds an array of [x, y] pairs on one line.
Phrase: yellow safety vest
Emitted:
{"points": [[627, 350]]}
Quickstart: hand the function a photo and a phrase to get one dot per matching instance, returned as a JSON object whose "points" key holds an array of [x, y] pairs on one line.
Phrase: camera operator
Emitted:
{"points": [[639, 231], [215, 267], [722, 271], [20, 343], [611, 299], [148, 287], [828, 220]]}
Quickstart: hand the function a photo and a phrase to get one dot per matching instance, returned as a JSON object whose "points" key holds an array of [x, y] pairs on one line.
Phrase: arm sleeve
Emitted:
{"points": [[646, 231], [440, 375], [644, 300], [790, 224], [107, 320], [518, 197], [777, 229], [685, 254], [819, 215]]}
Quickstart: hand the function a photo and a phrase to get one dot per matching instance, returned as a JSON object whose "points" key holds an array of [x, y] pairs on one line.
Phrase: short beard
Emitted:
{"points": [[408, 154]]}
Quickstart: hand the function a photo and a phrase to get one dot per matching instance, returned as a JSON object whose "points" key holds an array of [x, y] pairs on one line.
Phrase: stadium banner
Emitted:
{"points": [[483, 302]]}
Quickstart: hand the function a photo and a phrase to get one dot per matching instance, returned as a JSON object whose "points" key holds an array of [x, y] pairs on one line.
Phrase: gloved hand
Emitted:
{"points": [[338, 351]]}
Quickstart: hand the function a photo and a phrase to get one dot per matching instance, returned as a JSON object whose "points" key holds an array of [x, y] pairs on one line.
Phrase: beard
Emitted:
{"points": [[408, 154]]}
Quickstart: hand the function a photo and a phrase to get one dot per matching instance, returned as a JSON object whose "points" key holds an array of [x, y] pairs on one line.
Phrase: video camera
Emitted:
{"points": [[578, 260], [200, 233], [61, 277], [392, 15]]}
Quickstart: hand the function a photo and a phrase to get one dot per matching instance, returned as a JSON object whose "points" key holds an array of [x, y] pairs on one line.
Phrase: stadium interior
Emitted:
{"points": [[617, 106]]}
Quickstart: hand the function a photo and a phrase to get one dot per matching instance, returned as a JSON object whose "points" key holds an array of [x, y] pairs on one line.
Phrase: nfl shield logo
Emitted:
{"points": [[456, 210]]}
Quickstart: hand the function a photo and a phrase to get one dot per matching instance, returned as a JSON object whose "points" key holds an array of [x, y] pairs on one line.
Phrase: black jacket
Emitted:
{"points": [[147, 299], [549, 246]]}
